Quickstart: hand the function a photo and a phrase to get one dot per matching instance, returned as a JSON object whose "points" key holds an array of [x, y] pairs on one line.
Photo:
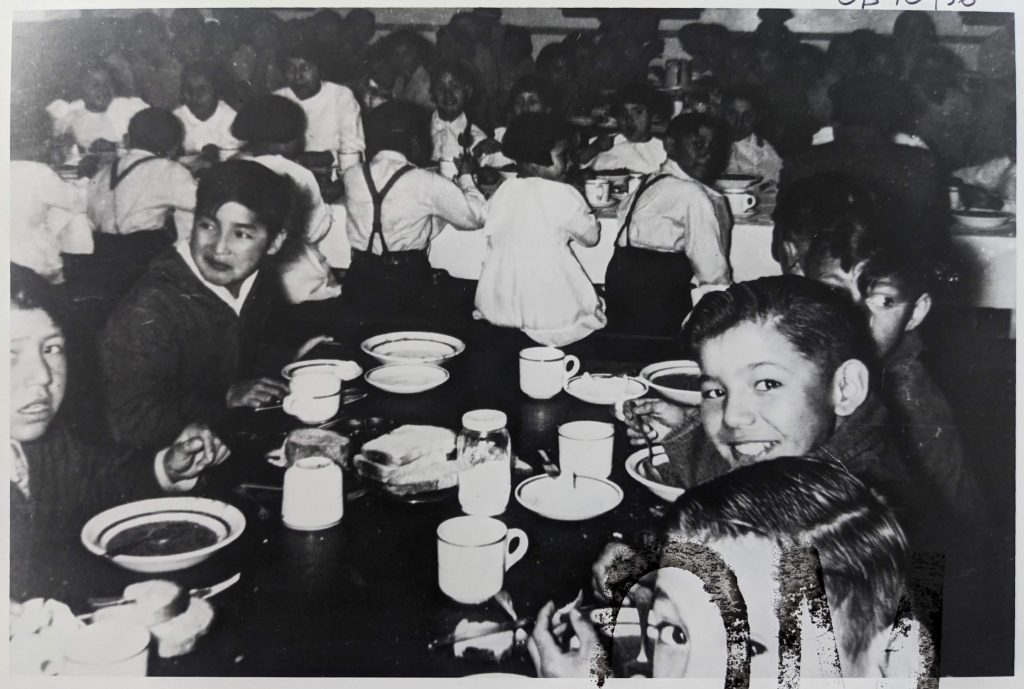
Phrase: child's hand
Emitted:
{"points": [[652, 418], [605, 142], [466, 165], [195, 450]]}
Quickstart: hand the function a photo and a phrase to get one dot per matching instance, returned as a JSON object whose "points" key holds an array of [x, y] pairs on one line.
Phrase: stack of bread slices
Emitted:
{"points": [[410, 460]]}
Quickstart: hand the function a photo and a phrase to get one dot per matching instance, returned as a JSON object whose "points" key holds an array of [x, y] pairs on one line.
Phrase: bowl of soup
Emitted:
{"points": [[677, 380], [163, 534]]}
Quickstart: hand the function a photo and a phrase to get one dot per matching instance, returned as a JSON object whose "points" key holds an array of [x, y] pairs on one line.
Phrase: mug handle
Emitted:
{"points": [[572, 367], [514, 556], [288, 404], [751, 201]]}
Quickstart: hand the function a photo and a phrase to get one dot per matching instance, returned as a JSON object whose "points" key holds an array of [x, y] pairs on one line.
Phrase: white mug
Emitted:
{"points": [[313, 397], [597, 191], [347, 159], [448, 168], [110, 648], [473, 554], [585, 448], [313, 494], [544, 370], [741, 202]]}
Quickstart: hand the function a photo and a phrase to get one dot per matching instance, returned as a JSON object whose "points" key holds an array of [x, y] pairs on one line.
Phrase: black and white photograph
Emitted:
{"points": [[508, 342]]}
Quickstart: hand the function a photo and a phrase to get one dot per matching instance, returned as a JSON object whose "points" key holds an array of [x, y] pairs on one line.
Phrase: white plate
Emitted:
{"points": [[345, 370], [666, 493], [556, 499], [654, 371], [223, 519], [605, 388], [413, 347], [406, 379], [982, 219], [736, 182]]}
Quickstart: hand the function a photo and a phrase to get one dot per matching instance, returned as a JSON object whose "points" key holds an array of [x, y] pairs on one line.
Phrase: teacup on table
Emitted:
{"points": [[313, 396], [597, 191], [741, 202], [544, 370], [585, 448], [473, 554]]}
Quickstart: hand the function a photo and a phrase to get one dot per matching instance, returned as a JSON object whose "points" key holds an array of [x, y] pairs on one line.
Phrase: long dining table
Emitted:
{"points": [[361, 598]]}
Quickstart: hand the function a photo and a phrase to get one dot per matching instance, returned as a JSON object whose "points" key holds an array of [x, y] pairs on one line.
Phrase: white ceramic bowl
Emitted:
{"points": [[666, 493], [345, 370], [223, 519], [406, 379], [736, 182], [982, 219], [605, 388], [665, 368], [413, 347]]}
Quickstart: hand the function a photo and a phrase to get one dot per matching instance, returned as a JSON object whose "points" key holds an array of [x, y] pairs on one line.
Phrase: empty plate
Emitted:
{"points": [[406, 379], [605, 388], [555, 498], [413, 347], [980, 219]]}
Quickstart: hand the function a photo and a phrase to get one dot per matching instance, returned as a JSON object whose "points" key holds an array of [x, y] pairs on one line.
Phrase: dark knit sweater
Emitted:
{"points": [[172, 349]]}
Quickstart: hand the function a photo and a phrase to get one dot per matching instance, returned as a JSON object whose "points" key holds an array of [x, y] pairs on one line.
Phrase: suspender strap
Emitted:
{"points": [[116, 179], [646, 184], [378, 202]]}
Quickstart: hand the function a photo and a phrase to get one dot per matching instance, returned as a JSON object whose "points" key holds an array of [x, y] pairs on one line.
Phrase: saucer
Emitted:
{"points": [[555, 498]]}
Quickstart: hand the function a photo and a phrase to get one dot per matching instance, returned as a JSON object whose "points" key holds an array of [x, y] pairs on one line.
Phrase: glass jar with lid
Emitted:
{"points": [[485, 453]]}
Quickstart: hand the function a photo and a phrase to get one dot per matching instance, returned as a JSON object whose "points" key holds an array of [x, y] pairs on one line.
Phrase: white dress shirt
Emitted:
{"points": [[754, 156], [215, 130], [86, 126], [333, 122], [445, 136], [42, 207], [416, 209], [678, 215], [636, 157], [144, 197], [497, 160]]}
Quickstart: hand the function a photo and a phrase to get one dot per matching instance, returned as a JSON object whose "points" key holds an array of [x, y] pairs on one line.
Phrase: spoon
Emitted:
{"points": [[505, 601], [150, 536]]}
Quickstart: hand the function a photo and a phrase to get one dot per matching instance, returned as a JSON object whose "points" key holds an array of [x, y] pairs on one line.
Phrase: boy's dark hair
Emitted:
{"points": [[206, 69], [835, 216], [268, 195], [531, 137], [869, 100], [458, 69], [519, 38], [395, 126], [820, 322], [305, 50], [642, 94], [691, 123], [550, 54], [156, 130], [31, 291], [532, 83], [269, 120], [808, 503]]}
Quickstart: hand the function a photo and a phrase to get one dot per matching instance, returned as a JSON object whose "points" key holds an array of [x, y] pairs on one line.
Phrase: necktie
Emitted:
{"points": [[19, 469]]}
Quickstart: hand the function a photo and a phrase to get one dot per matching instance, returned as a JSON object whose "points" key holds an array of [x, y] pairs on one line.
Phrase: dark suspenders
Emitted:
{"points": [[378, 202], [116, 179], [646, 184]]}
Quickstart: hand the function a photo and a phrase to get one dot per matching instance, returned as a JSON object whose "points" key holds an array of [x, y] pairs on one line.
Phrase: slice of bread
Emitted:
{"points": [[407, 444]]}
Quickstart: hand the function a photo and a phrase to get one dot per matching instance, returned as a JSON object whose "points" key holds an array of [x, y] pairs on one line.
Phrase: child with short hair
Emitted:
{"points": [[750, 154], [530, 93], [99, 115], [207, 118], [333, 120], [531, 278], [634, 148], [451, 130]]}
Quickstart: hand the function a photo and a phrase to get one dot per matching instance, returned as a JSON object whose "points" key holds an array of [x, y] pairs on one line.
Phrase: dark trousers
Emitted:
{"points": [[397, 288], [647, 292]]}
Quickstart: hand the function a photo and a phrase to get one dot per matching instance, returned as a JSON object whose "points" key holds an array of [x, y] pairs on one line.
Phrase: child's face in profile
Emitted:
{"points": [[450, 95], [890, 311], [762, 398]]}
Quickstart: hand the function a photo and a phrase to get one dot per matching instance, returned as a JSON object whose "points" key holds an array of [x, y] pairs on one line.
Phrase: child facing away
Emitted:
{"points": [[531, 278]]}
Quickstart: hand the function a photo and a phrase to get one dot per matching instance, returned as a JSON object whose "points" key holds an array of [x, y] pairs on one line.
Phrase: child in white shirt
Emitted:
{"points": [[333, 120], [98, 115], [531, 279], [452, 133], [206, 118], [750, 153], [530, 93], [634, 148]]}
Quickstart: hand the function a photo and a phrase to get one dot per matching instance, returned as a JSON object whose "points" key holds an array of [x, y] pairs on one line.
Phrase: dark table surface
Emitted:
{"points": [[361, 598]]}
